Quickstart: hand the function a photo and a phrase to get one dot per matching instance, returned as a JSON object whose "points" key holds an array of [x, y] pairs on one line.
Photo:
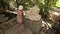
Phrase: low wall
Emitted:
{"points": [[6, 25]]}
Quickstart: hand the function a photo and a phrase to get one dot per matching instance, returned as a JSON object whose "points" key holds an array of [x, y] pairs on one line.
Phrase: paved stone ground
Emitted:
{"points": [[18, 30]]}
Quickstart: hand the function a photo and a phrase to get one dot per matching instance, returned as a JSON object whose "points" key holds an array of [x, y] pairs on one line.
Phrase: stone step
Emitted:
{"points": [[6, 25], [3, 19], [1, 15]]}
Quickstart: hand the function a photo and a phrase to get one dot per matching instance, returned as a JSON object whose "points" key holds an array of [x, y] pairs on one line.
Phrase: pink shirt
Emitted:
{"points": [[19, 16]]}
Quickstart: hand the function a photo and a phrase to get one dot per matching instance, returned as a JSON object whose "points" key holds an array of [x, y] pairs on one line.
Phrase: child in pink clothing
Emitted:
{"points": [[20, 14]]}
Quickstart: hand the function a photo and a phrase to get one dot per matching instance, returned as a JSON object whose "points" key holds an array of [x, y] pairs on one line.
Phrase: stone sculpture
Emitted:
{"points": [[33, 20]]}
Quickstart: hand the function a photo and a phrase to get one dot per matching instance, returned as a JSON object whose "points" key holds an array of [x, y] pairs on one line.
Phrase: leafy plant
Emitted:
{"points": [[27, 4], [46, 5]]}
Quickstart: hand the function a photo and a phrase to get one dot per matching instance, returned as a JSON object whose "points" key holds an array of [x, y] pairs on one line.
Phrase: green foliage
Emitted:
{"points": [[46, 5], [58, 3], [27, 4]]}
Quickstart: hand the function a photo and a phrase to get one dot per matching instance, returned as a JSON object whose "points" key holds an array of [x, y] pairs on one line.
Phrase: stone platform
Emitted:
{"points": [[18, 30]]}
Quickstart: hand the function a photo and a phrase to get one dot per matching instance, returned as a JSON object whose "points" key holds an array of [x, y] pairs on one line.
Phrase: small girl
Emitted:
{"points": [[19, 14]]}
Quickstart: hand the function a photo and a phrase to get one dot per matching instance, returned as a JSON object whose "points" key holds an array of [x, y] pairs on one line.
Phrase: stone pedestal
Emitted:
{"points": [[35, 26]]}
